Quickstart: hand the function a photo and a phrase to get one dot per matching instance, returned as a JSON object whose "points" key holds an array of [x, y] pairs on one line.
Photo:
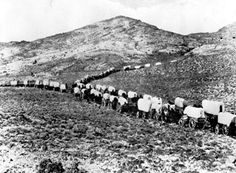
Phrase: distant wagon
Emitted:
{"points": [[46, 83], [98, 87], [63, 87], [156, 107], [38, 83], [147, 65], [137, 66], [122, 102], [25, 82], [7, 83], [122, 93], [2, 83], [128, 67], [20, 83], [13, 83], [56, 86], [29, 83], [111, 89], [51, 85]]}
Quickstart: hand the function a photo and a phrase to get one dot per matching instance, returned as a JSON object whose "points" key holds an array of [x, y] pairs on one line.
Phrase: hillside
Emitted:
{"points": [[113, 42], [194, 78], [206, 61]]}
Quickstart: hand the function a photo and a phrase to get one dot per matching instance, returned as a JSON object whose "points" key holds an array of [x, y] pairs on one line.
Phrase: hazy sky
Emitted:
{"points": [[32, 19]]}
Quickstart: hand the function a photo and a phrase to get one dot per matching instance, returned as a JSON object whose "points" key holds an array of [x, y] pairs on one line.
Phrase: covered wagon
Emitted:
{"points": [[132, 94], [2, 83], [25, 82], [98, 87], [121, 93], [51, 85], [226, 123], [128, 67], [179, 105], [156, 107], [212, 110], [38, 83], [13, 83], [137, 66], [113, 101], [88, 86], [20, 83], [194, 116], [63, 87], [46, 83], [122, 102], [111, 89], [56, 86], [132, 98], [144, 107], [147, 65]]}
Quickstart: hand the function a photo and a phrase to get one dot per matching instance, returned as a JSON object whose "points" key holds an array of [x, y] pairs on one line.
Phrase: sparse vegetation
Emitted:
{"points": [[77, 136]]}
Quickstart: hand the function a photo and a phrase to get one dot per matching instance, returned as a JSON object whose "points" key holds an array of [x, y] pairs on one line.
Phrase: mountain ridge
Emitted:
{"points": [[116, 41]]}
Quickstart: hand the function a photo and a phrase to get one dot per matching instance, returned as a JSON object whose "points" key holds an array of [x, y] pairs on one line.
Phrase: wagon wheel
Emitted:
{"points": [[181, 122], [225, 129], [217, 129], [192, 123], [137, 114]]}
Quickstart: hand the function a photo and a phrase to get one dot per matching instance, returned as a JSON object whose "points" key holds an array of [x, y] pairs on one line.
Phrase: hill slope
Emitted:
{"points": [[206, 72], [111, 42], [205, 66]]}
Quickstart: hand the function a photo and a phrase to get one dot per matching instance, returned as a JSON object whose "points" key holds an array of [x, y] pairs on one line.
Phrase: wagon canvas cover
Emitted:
{"points": [[194, 112], [225, 118]]}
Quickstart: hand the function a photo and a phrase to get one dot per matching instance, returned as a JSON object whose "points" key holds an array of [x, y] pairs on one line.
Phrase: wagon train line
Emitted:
{"points": [[208, 114]]}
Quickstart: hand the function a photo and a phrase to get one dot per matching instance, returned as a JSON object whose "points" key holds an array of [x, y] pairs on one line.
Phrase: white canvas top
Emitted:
{"points": [[132, 94], [194, 112], [179, 102], [144, 105], [14, 82], [63, 86], [122, 101], [156, 103], [212, 107], [76, 90], [56, 84], [111, 88], [120, 92], [225, 118]]}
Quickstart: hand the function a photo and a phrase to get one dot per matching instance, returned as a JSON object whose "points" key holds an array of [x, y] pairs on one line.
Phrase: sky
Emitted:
{"points": [[33, 19]]}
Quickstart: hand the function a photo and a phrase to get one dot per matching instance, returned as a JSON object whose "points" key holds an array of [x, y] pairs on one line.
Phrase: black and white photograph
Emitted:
{"points": [[117, 86]]}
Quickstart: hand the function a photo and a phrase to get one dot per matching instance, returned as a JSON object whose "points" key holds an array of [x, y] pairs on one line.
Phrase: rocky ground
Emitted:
{"points": [[37, 125]]}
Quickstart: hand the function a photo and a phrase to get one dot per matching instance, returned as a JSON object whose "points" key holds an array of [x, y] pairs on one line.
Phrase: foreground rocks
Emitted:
{"points": [[48, 131]]}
